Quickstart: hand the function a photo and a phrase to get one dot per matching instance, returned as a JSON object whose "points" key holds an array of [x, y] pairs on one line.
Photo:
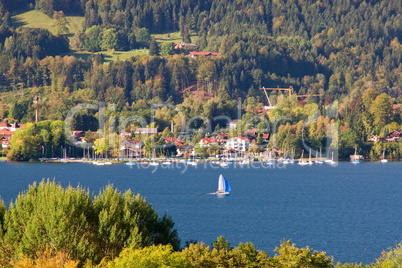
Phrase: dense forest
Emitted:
{"points": [[347, 52]]}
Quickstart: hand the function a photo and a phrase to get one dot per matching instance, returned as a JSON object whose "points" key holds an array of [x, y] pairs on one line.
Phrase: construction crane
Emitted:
{"points": [[290, 89]]}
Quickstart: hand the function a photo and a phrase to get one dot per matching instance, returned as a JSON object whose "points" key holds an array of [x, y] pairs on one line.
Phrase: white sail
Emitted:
{"points": [[221, 184]]}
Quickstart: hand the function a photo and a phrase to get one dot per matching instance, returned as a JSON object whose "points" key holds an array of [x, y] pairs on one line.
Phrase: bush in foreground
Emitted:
{"points": [[85, 227]]}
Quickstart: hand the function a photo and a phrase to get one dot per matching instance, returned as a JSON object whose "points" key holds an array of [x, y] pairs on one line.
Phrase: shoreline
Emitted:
{"points": [[172, 160]]}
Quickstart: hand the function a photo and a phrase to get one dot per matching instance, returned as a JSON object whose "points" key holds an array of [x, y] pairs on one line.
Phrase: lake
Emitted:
{"points": [[352, 212]]}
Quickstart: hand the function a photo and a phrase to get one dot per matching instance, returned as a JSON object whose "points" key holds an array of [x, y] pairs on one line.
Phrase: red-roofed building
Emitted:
{"points": [[5, 143], [4, 125], [208, 142], [5, 137], [265, 137], [221, 136], [132, 148], [6, 132], [176, 141], [12, 127]]}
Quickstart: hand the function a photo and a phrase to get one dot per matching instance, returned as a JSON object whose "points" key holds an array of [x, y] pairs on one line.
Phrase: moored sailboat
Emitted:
{"points": [[153, 163], [355, 159], [301, 161], [383, 160]]}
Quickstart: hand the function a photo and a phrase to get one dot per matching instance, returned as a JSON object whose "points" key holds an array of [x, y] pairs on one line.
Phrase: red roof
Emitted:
{"points": [[242, 138], [4, 124], [6, 132], [176, 141], [210, 140], [265, 136], [132, 141]]}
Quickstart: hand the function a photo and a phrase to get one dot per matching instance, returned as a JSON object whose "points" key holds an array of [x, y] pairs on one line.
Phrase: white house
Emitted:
{"points": [[232, 124], [239, 144]]}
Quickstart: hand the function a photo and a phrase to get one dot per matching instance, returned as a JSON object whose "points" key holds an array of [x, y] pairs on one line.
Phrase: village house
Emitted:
{"points": [[174, 140], [6, 132], [208, 142], [132, 149], [232, 124], [185, 151], [376, 138], [393, 136], [265, 137], [221, 137], [145, 130], [78, 136], [187, 46], [239, 144]]}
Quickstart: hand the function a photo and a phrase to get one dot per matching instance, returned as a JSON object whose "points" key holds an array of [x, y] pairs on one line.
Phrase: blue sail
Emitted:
{"points": [[227, 186]]}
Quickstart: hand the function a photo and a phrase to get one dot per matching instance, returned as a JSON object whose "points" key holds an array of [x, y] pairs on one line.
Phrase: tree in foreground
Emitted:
{"points": [[69, 220], [153, 256], [390, 259], [292, 257]]}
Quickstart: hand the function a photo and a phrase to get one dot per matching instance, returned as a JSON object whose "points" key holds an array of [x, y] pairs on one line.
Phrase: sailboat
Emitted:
{"points": [[223, 186], [309, 158], [130, 162], [330, 161], [301, 161], [292, 159], [153, 163], [270, 159], [318, 160], [355, 160], [383, 160]]}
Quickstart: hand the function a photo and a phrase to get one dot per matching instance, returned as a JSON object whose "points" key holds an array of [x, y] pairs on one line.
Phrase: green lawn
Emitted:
{"points": [[37, 19], [113, 56], [174, 37]]}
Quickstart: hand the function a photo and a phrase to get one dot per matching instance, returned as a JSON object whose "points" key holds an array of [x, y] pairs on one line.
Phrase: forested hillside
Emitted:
{"points": [[345, 50]]}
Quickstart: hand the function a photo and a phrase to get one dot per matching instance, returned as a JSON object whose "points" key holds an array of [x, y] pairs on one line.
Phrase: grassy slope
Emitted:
{"points": [[37, 19], [112, 56], [173, 37]]}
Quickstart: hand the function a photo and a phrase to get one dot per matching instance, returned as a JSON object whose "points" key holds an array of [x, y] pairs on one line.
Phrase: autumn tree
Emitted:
{"points": [[292, 257], [60, 23], [381, 108]]}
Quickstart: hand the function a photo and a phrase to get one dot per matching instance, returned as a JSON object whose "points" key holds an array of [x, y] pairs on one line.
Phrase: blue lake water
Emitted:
{"points": [[352, 212]]}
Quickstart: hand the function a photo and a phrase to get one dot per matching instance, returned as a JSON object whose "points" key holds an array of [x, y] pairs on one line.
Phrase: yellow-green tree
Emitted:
{"points": [[292, 257], [153, 256], [381, 108]]}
